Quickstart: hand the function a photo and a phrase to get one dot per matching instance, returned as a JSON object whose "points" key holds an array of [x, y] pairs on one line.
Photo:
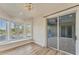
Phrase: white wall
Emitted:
{"points": [[39, 31]]}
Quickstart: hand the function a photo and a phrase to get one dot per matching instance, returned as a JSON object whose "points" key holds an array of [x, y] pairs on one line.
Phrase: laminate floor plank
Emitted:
{"points": [[31, 49]]}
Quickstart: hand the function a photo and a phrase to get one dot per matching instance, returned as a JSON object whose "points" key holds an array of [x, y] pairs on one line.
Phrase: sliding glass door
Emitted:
{"points": [[52, 32], [67, 33], [61, 33]]}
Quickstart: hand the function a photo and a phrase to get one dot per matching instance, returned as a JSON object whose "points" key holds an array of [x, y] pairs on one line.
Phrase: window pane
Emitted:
{"points": [[16, 31], [12, 31], [3, 30], [28, 31], [20, 31]]}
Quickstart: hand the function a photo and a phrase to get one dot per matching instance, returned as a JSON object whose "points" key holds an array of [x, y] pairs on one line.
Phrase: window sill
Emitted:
{"points": [[13, 44], [9, 42]]}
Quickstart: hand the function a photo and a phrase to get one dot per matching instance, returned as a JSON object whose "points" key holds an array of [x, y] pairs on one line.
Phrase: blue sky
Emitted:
{"points": [[2, 24]]}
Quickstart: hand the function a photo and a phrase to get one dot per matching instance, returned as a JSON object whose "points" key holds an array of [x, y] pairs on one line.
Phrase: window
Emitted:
{"points": [[3, 30], [16, 31], [28, 31], [19, 31], [10, 31], [13, 31]]}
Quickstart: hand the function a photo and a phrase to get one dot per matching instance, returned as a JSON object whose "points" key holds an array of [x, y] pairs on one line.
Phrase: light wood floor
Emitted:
{"points": [[31, 49]]}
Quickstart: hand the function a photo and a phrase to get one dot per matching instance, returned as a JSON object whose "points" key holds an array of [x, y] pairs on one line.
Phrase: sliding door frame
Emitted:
{"points": [[58, 15]]}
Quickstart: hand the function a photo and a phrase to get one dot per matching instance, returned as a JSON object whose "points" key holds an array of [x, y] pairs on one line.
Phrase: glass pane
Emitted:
{"points": [[16, 31], [67, 33], [3, 30], [13, 31], [20, 31], [28, 31], [52, 32], [62, 31]]}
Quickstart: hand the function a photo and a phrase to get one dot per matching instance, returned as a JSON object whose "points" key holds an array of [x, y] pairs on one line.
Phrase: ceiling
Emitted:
{"points": [[19, 11]]}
